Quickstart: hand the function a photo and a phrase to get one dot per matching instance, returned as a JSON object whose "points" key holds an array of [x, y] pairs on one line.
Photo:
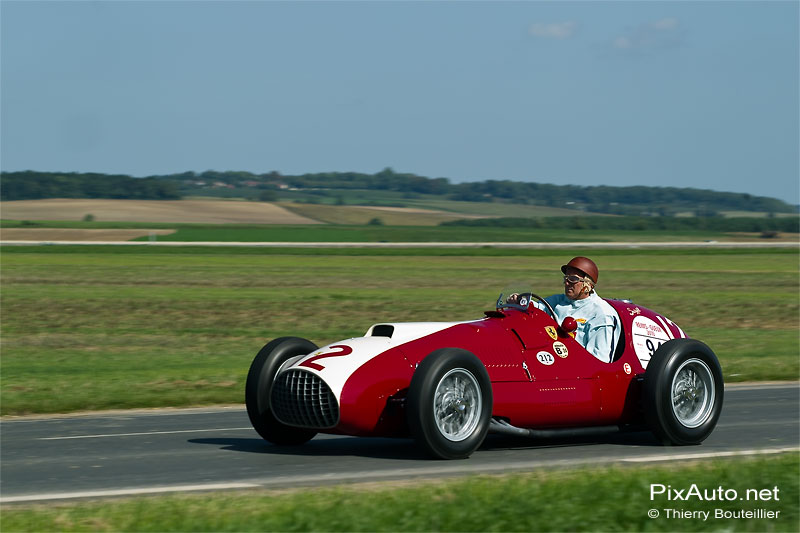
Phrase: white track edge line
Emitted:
{"points": [[142, 433], [710, 455], [125, 492]]}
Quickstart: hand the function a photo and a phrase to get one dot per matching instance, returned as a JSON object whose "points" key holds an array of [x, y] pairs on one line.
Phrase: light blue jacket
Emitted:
{"points": [[598, 323]]}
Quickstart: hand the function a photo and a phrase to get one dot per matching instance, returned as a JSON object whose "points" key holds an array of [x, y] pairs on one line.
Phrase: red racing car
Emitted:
{"points": [[515, 371]]}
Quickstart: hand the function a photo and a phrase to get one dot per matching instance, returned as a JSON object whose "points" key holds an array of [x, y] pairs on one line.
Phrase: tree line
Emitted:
{"points": [[31, 185], [663, 201]]}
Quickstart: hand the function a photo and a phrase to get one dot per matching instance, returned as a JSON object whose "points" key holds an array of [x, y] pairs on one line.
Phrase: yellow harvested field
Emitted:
{"points": [[391, 216], [88, 235], [188, 211]]}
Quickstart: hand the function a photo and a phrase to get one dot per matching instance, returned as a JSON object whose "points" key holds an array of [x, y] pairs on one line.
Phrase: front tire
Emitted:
{"points": [[259, 388], [683, 391], [450, 403]]}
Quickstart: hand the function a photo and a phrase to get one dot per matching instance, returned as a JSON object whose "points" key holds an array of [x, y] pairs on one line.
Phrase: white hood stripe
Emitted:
{"points": [[336, 362]]}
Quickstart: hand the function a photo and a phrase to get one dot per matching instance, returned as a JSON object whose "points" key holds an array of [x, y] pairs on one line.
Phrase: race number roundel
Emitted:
{"points": [[561, 349], [647, 337], [545, 358]]}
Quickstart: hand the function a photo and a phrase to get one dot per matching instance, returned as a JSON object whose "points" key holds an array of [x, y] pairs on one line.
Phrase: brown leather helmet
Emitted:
{"points": [[585, 265]]}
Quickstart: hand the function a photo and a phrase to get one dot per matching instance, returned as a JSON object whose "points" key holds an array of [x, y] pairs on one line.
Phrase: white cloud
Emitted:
{"points": [[622, 42], [666, 24], [661, 33], [553, 30]]}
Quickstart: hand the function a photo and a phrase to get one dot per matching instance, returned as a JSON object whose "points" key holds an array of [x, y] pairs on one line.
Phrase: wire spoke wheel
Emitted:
{"points": [[457, 404], [682, 392], [449, 404], [692, 393]]}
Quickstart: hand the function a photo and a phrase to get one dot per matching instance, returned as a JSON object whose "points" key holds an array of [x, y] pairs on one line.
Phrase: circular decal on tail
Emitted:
{"points": [[647, 337]]}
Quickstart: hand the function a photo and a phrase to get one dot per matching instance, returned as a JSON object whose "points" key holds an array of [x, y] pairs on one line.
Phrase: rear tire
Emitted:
{"points": [[259, 388], [683, 391], [450, 403]]}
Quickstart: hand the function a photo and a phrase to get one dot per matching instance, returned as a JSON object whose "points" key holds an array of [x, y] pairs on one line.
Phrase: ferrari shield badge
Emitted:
{"points": [[551, 330]]}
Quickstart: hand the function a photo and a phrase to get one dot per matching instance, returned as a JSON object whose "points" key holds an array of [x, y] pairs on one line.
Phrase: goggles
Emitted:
{"points": [[572, 279]]}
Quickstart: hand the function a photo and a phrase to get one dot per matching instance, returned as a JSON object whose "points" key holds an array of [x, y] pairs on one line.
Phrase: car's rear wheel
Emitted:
{"points": [[683, 390], [259, 387], [450, 403]]}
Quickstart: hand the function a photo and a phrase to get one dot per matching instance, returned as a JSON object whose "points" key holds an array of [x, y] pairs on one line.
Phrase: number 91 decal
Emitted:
{"points": [[647, 338]]}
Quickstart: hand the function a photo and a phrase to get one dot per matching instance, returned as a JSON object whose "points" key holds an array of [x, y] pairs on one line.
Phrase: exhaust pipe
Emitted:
{"points": [[504, 428]]}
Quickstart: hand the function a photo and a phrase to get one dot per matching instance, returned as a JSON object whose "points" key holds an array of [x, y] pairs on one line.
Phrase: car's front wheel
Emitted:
{"points": [[683, 390], [450, 403], [259, 388]]}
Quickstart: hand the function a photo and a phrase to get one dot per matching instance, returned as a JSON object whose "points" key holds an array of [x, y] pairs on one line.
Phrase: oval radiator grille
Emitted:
{"points": [[300, 398]]}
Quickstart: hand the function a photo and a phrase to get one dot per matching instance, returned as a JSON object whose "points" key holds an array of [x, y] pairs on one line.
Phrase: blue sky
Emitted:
{"points": [[686, 94]]}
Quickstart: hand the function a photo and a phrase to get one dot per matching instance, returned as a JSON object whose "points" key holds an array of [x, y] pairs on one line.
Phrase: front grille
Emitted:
{"points": [[300, 398]]}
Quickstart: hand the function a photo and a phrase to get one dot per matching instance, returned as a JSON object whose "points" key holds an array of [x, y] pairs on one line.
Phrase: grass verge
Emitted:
{"points": [[104, 328], [748, 495]]}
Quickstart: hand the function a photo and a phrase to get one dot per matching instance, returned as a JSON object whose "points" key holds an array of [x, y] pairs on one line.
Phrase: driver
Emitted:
{"points": [[598, 323]]}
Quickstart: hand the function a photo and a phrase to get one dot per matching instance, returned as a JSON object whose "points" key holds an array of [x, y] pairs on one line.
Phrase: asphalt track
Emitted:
{"points": [[158, 451]]}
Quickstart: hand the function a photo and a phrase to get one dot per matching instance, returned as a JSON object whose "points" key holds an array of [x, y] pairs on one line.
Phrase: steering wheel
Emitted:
{"points": [[546, 305]]}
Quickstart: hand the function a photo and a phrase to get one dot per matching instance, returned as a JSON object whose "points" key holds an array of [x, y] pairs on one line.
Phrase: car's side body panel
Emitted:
{"points": [[541, 377]]}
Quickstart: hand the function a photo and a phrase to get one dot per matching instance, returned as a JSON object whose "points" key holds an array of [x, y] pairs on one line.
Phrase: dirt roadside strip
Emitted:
{"points": [[82, 235], [521, 245]]}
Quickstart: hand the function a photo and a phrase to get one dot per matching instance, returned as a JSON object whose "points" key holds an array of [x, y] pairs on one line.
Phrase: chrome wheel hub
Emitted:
{"points": [[457, 404], [693, 393]]}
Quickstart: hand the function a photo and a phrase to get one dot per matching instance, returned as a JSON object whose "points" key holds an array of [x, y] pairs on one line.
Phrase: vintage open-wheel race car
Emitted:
{"points": [[515, 371]]}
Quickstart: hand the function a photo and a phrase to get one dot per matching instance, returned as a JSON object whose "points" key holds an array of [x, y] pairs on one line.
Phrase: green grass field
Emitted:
{"points": [[368, 233], [105, 327], [598, 499]]}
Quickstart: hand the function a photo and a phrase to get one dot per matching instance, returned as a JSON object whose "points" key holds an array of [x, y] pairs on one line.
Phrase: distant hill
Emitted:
{"points": [[386, 188]]}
